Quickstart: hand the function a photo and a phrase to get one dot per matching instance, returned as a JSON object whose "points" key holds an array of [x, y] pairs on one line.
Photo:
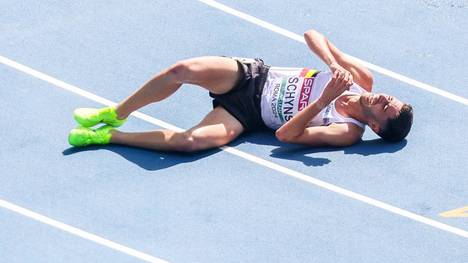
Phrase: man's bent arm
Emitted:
{"points": [[334, 58], [296, 130], [318, 44], [297, 125]]}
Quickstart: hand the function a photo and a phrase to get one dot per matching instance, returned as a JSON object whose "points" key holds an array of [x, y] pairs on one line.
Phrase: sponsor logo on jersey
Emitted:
{"points": [[305, 93]]}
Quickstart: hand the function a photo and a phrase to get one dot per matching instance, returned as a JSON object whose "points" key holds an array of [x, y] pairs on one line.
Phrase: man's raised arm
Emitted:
{"points": [[337, 60]]}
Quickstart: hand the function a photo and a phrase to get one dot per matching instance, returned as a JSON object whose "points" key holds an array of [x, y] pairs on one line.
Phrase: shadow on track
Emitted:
{"points": [[302, 153], [156, 160], [146, 159]]}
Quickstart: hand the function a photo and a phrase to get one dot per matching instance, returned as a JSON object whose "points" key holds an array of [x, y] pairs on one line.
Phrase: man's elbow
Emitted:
{"points": [[311, 33], [283, 136], [369, 79]]}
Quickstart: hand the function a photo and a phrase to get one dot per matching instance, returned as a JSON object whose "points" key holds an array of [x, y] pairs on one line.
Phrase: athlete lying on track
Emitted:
{"points": [[302, 105]]}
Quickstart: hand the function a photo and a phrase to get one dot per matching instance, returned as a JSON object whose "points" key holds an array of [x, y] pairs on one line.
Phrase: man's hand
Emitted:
{"points": [[339, 83], [335, 67]]}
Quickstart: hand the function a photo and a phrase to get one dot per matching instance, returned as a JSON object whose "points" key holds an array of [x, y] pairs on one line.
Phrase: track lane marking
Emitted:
{"points": [[80, 233], [244, 155], [299, 38]]}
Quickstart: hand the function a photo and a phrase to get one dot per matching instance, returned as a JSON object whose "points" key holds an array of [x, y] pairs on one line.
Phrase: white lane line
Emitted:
{"points": [[247, 156], [81, 233], [299, 38]]}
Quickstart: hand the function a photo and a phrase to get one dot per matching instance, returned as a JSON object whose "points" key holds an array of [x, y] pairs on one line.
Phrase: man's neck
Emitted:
{"points": [[350, 106]]}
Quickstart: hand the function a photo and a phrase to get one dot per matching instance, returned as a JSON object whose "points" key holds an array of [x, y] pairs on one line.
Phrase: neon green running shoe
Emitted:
{"points": [[82, 136], [88, 117]]}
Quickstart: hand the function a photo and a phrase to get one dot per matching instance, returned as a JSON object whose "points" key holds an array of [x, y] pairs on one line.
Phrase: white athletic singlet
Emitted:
{"points": [[289, 90]]}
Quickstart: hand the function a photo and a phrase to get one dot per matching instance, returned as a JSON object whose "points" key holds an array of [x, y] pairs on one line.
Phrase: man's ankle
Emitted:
{"points": [[120, 114]]}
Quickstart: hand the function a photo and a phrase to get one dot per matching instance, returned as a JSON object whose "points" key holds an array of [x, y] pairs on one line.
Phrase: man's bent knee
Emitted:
{"points": [[182, 71], [187, 143]]}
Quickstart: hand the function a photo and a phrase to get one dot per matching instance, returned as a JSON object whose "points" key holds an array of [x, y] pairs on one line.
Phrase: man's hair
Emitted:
{"points": [[397, 128]]}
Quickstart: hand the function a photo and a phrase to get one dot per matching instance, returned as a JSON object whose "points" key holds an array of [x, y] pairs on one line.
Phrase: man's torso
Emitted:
{"points": [[289, 90]]}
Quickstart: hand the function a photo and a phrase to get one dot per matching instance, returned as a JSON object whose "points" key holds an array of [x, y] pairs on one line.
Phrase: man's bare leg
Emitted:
{"points": [[216, 129], [216, 74]]}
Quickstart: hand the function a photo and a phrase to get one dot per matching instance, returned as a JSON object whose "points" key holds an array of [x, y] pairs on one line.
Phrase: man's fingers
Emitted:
{"points": [[347, 77], [341, 76], [349, 80], [341, 81], [346, 83], [336, 74], [344, 79]]}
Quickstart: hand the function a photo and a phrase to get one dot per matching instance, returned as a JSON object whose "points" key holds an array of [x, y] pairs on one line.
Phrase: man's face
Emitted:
{"points": [[379, 108]]}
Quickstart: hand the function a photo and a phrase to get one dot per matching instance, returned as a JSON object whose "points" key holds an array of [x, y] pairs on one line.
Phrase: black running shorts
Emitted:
{"points": [[243, 101]]}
